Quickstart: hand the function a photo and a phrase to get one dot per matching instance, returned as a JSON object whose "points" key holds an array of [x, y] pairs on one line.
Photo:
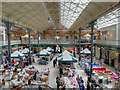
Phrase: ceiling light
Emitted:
{"points": [[11, 28], [53, 27], [49, 20]]}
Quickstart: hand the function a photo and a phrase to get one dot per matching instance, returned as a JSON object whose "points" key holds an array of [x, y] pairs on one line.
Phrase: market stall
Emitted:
{"points": [[101, 76], [44, 57], [31, 76], [17, 58], [50, 50], [66, 62]]}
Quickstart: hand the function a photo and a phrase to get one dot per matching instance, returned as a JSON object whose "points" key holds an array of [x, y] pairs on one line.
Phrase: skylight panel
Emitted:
{"points": [[70, 11], [109, 19]]}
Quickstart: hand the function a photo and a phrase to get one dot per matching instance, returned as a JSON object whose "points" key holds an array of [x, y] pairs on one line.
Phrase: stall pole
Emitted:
{"points": [[8, 25], [92, 28], [80, 43], [38, 42], [74, 44], [29, 43]]}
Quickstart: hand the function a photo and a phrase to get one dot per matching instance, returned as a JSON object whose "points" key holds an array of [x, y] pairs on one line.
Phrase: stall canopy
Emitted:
{"points": [[44, 53], [87, 35], [50, 49], [27, 36], [65, 52], [26, 51], [67, 58], [86, 51], [16, 54]]}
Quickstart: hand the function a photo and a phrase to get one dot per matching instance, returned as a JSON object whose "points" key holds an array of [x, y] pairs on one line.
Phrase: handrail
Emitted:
{"points": [[107, 42]]}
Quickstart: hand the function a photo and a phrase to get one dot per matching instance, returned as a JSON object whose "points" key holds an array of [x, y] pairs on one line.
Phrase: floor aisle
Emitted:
{"points": [[53, 72]]}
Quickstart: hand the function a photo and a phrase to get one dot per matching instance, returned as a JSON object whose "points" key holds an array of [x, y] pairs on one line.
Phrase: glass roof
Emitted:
{"points": [[109, 19], [70, 11]]}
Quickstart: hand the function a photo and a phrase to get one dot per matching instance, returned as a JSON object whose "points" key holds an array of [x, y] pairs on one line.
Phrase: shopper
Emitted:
{"points": [[82, 87], [54, 62], [34, 77], [57, 81], [3, 82], [33, 59], [29, 81], [88, 85], [77, 78], [64, 87], [91, 88], [30, 61], [61, 72]]}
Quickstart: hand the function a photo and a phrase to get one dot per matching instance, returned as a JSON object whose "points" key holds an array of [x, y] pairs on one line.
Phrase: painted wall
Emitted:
{"points": [[108, 33]]}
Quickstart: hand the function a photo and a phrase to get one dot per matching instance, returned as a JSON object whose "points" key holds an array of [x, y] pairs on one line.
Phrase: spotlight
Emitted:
{"points": [[49, 20], [11, 28], [53, 27]]}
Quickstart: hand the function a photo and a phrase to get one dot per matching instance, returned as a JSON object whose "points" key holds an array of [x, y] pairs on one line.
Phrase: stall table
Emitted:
{"points": [[71, 83]]}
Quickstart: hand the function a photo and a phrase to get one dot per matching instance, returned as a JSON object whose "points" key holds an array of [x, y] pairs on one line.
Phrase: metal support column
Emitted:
{"points": [[74, 44], [38, 42], [92, 28], [29, 43], [80, 44], [8, 25]]}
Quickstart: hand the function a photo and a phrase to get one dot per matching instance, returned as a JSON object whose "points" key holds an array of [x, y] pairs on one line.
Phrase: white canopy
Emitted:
{"points": [[49, 49], [66, 52], [44, 51], [26, 50], [87, 35], [27, 36], [67, 57], [86, 51], [16, 54]]}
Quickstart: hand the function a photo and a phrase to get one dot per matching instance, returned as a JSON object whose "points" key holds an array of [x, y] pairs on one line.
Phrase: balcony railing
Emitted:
{"points": [[106, 42], [114, 43], [54, 41], [48, 42], [12, 42]]}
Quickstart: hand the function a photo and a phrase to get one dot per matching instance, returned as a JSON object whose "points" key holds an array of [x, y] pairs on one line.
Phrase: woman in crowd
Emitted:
{"points": [[77, 78], [3, 82], [88, 85]]}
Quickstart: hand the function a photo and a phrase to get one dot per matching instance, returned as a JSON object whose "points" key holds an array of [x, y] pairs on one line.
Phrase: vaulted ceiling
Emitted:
{"points": [[35, 14]]}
